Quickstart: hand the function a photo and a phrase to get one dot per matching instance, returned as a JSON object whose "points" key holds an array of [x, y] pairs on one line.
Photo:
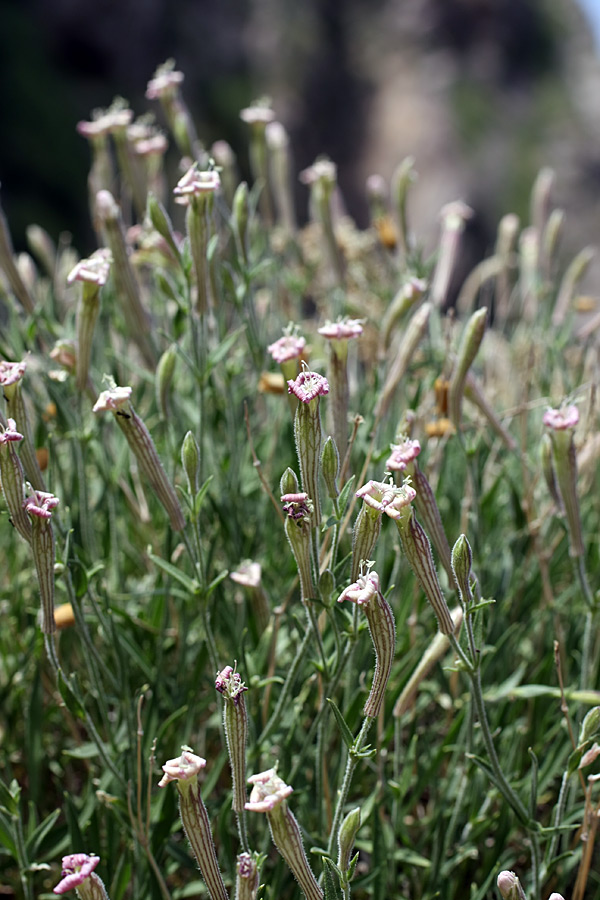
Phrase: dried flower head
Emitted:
{"points": [[75, 869], [308, 385], [268, 791], [402, 454], [64, 353], [184, 768], [113, 399], [94, 269], [343, 330], [40, 504], [290, 346], [196, 183], [297, 506], [385, 497], [560, 419], [363, 590], [11, 372]]}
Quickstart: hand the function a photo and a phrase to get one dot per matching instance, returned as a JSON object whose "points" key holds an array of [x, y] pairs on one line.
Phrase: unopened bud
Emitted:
{"points": [[289, 482], [347, 836], [326, 585], [190, 458], [330, 464], [161, 222], [240, 216], [510, 886], [590, 725], [462, 560], [469, 345]]}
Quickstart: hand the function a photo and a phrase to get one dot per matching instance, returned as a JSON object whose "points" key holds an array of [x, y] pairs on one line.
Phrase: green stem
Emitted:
{"points": [[287, 686], [351, 764]]}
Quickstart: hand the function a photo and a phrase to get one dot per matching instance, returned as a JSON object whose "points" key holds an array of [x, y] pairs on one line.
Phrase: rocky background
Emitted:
{"points": [[481, 92]]}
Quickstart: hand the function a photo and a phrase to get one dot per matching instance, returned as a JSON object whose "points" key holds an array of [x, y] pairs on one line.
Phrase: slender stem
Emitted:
{"points": [[315, 628], [351, 764], [559, 812], [287, 686], [243, 830]]}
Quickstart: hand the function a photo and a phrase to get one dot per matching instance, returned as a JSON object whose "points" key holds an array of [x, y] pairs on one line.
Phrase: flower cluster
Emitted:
{"points": [[402, 454], [308, 385], [385, 497]]}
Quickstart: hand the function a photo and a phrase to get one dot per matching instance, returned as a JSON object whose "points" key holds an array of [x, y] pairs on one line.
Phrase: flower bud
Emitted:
{"points": [[462, 560], [510, 886], [247, 879], [326, 585], [235, 721], [330, 466], [469, 345], [590, 725], [346, 837], [161, 222], [240, 214], [289, 482]]}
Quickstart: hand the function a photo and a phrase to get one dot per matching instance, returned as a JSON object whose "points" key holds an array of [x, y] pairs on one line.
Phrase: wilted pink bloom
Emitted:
{"points": [[64, 353], [184, 768], [402, 454], [94, 269], [195, 183], [11, 372], [343, 330], [386, 498], [560, 419], [166, 82], [154, 145], [290, 346], [10, 433], [229, 682], [75, 869], [590, 756], [510, 886], [248, 574], [268, 791], [41, 504], [362, 590], [308, 385], [257, 114], [112, 399], [296, 506]]}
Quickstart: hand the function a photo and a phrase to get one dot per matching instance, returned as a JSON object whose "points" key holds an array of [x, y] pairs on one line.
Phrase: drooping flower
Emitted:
{"points": [[76, 869], [41, 504], [362, 591], [113, 399], [166, 81], [343, 330], [229, 682], [248, 574], [11, 372], [93, 270]]}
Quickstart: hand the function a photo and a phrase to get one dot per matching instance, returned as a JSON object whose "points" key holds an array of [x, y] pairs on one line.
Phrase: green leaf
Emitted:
{"points": [[84, 751], [344, 730], [7, 838], [330, 881], [199, 498], [35, 841], [216, 581], [345, 496], [190, 584]]}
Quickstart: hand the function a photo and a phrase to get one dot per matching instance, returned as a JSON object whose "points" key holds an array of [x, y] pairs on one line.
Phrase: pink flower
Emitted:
{"points": [[165, 83], [297, 506], [194, 183], [268, 791], [10, 433], [229, 682], [342, 330], [402, 454], [248, 574], [112, 399], [115, 118], [94, 269], [41, 504], [386, 498], [11, 372], [560, 419], [75, 869], [184, 768], [363, 590], [290, 346], [308, 385]]}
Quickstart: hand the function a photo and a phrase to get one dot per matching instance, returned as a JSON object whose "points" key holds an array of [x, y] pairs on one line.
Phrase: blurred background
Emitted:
{"points": [[481, 92]]}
